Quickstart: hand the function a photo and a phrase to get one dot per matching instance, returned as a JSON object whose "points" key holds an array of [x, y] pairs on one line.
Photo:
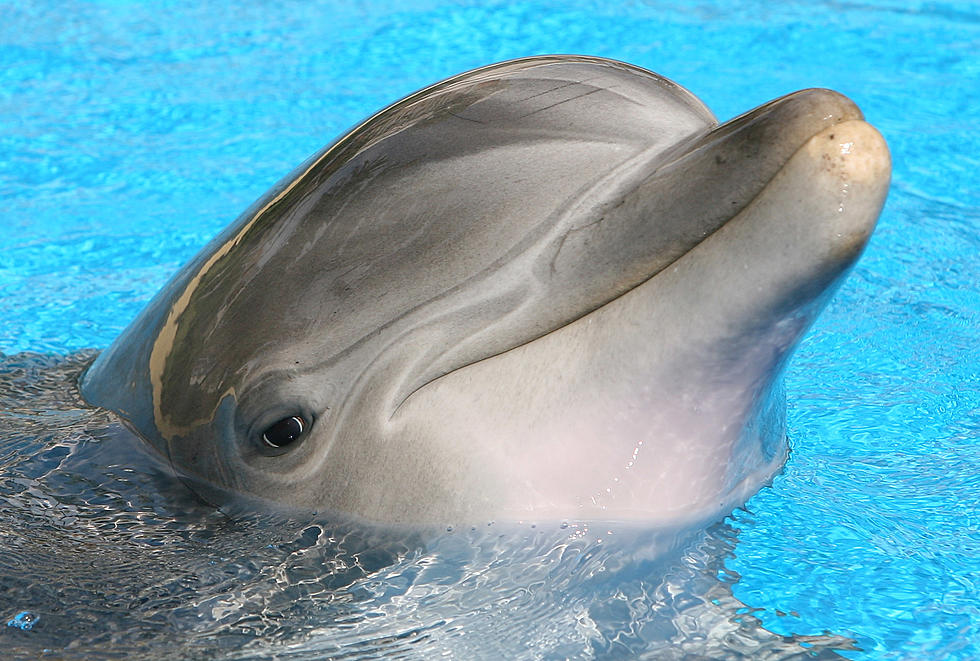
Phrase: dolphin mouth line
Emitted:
{"points": [[678, 152]]}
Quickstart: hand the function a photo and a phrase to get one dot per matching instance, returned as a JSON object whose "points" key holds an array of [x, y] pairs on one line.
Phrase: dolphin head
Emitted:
{"points": [[552, 288]]}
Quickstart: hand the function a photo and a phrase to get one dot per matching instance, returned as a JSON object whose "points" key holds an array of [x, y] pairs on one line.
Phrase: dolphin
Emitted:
{"points": [[553, 288]]}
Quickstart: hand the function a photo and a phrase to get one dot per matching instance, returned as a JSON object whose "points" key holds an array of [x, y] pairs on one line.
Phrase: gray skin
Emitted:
{"points": [[551, 288]]}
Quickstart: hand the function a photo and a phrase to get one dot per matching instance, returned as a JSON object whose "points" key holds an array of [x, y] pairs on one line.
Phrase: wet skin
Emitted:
{"points": [[552, 288]]}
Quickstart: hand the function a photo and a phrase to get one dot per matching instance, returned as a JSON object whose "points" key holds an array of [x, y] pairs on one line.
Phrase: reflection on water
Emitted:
{"points": [[106, 554]]}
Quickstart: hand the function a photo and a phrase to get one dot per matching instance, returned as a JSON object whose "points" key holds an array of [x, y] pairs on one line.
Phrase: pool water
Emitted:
{"points": [[131, 133]]}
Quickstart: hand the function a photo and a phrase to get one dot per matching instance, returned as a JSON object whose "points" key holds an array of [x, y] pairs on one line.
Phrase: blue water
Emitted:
{"points": [[131, 133]]}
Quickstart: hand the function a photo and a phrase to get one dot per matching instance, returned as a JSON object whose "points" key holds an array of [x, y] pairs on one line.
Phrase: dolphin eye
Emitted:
{"points": [[284, 433]]}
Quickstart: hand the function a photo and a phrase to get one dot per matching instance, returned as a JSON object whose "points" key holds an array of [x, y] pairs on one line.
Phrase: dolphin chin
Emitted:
{"points": [[550, 288]]}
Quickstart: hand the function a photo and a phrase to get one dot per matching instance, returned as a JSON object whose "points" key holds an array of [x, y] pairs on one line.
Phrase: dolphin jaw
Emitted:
{"points": [[691, 424]]}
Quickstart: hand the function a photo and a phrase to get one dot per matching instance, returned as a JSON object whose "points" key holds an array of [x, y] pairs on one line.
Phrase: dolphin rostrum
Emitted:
{"points": [[551, 288]]}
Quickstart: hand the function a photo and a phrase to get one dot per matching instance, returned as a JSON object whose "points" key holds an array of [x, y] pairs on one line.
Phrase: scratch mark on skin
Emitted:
{"points": [[558, 103], [565, 236], [465, 119], [550, 90], [571, 83]]}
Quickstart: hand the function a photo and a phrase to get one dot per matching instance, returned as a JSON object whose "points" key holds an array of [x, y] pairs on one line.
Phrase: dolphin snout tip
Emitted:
{"points": [[849, 169], [855, 152], [826, 104]]}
